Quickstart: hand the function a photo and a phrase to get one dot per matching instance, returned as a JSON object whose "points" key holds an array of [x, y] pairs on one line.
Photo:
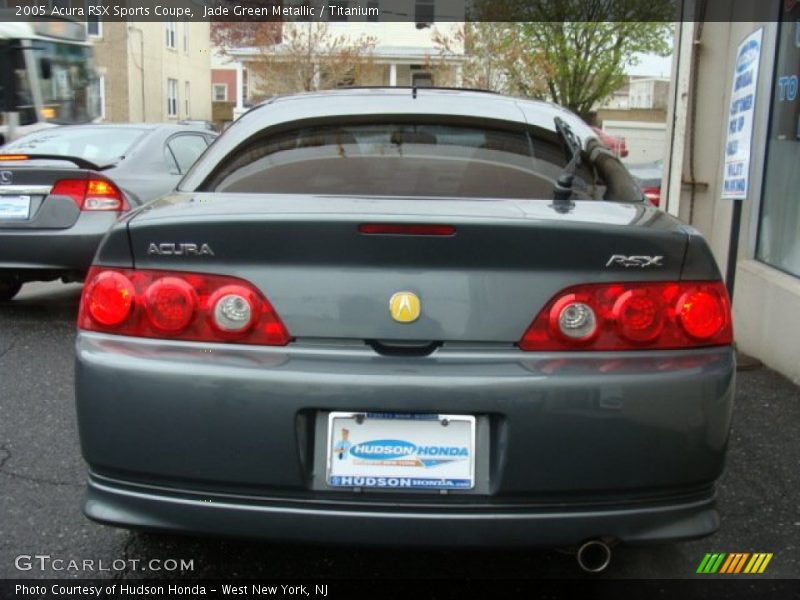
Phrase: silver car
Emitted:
{"points": [[62, 188], [415, 317]]}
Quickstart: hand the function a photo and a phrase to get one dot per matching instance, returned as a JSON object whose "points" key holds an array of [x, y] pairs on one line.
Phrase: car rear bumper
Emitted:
{"points": [[33, 253], [227, 439], [119, 504]]}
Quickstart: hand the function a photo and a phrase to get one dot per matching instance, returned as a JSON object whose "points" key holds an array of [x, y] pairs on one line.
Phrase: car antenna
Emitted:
{"points": [[562, 191]]}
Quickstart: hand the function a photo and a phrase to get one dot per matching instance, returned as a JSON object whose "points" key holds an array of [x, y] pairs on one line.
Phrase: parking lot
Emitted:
{"points": [[42, 478]]}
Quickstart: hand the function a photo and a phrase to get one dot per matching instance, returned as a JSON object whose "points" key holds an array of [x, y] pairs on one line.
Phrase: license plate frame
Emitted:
{"points": [[16, 208], [418, 452]]}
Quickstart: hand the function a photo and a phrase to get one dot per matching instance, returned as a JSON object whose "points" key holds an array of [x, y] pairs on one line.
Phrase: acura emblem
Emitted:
{"points": [[405, 307]]}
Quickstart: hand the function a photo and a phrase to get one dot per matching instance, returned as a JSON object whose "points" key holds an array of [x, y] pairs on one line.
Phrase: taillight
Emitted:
{"points": [[234, 309], [573, 319], [702, 313], [170, 304], [653, 194], [639, 314], [92, 194], [109, 298], [630, 316], [181, 306]]}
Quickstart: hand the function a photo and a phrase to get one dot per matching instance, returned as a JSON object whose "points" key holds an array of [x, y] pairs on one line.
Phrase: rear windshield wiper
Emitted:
{"points": [[562, 191]]}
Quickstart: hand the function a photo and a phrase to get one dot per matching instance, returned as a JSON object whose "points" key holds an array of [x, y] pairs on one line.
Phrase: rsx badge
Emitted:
{"points": [[180, 249], [620, 260]]}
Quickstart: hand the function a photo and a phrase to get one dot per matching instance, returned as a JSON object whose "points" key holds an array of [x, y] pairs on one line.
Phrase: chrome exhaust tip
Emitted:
{"points": [[594, 556]]}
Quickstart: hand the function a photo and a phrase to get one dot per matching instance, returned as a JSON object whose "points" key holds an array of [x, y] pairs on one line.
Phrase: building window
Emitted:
{"points": [[779, 222], [172, 97], [220, 92], [187, 94], [171, 30], [186, 36], [94, 26]]}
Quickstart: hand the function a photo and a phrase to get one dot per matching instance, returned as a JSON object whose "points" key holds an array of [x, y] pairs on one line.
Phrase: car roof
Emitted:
{"points": [[426, 100]]}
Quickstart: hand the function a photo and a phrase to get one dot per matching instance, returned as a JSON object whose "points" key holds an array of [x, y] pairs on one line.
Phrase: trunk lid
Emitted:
{"points": [[486, 283], [25, 200]]}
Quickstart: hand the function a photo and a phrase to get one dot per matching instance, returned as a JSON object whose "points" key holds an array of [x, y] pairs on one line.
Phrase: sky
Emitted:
{"points": [[652, 65]]}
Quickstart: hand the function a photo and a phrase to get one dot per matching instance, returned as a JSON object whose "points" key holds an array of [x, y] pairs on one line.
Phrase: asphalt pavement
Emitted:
{"points": [[42, 481]]}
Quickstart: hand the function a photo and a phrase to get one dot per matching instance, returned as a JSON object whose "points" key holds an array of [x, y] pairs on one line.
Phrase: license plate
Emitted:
{"points": [[401, 451], [15, 207]]}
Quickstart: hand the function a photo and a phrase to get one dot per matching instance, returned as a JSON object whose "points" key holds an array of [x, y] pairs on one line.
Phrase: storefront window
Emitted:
{"points": [[779, 227]]}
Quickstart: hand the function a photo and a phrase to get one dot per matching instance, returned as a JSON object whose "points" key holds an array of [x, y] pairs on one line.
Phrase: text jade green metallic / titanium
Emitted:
{"points": [[396, 316]]}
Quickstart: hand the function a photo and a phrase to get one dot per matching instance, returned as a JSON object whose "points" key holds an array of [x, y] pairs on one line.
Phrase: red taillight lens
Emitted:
{"points": [[74, 188], [630, 316], [185, 306], [639, 315], [91, 194], [170, 304], [703, 313], [108, 298]]}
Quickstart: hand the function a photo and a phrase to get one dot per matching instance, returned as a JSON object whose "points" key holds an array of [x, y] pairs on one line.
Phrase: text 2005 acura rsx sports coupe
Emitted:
{"points": [[411, 317]]}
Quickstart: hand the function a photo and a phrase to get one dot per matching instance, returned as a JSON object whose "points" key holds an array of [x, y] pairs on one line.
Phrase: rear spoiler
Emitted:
{"points": [[81, 163]]}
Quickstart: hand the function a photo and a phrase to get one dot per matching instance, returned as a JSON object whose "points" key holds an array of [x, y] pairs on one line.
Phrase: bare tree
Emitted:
{"points": [[491, 53], [297, 56], [313, 56], [230, 35]]}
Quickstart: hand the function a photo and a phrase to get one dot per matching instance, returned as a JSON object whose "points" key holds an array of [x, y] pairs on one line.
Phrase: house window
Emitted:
{"points": [[94, 26], [779, 221], [171, 30], [187, 93], [172, 97], [220, 92], [421, 79], [186, 37]]}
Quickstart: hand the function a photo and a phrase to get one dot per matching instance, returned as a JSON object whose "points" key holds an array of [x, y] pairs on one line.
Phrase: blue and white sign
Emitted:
{"points": [[736, 174], [377, 450], [14, 207]]}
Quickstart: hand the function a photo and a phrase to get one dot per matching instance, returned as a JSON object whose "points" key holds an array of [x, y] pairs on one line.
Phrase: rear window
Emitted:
{"points": [[101, 145], [401, 159]]}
